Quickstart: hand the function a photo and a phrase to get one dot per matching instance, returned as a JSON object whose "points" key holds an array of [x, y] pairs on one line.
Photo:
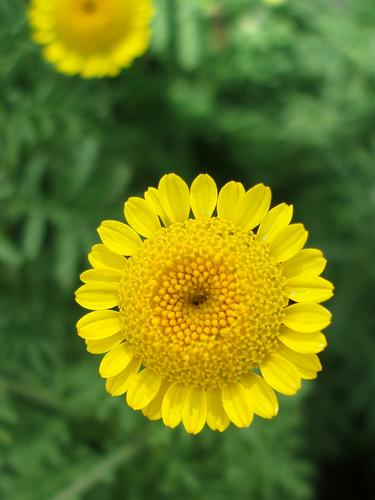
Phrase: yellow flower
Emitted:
{"points": [[203, 318], [93, 38]]}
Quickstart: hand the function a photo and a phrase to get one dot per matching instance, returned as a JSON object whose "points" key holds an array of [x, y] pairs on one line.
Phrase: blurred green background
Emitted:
{"points": [[242, 90]]}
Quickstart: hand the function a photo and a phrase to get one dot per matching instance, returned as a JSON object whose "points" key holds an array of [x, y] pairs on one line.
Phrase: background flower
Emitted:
{"points": [[94, 38]]}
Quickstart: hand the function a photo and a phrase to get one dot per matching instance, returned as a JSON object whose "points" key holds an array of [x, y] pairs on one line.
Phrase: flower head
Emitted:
{"points": [[93, 38], [202, 319]]}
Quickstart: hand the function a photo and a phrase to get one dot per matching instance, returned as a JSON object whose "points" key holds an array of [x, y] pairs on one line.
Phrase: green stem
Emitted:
{"points": [[99, 471]]}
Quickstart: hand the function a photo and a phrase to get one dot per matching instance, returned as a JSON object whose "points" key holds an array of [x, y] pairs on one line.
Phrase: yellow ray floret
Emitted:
{"points": [[204, 303], [93, 38]]}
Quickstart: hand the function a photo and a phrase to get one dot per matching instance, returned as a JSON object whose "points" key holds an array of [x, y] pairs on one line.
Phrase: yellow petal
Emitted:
{"points": [[98, 325], [171, 409], [101, 258], [262, 396], [203, 196], [141, 217], [309, 290], [308, 263], [115, 360], [228, 200], [110, 276], [277, 219], [70, 64], [152, 198], [237, 405], [118, 384], [174, 197], [312, 342], [194, 410], [307, 365], [217, 419], [306, 317], [97, 296], [280, 374], [253, 207], [153, 409], [119, 237], [101, 346], [54, 52], [142, 389], [288, 242]]}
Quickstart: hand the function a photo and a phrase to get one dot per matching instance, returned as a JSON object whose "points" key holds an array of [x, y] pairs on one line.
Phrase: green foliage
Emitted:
{"points": [[240, 89]]}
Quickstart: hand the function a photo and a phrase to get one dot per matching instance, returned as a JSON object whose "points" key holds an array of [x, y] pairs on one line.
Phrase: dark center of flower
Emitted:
{"points": [[89, 6], [198, 299]]}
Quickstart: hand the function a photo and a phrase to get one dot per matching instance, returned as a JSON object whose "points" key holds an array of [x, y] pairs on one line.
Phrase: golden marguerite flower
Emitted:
{"points": [[203, 318], [93, 38]]}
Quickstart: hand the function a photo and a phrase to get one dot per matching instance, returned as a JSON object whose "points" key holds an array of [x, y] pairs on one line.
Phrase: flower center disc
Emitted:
{"points": [[202, 302], [92, 26]]}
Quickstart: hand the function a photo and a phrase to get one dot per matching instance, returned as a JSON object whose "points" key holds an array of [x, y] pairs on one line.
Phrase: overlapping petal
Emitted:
{"points": [[111, 276], [281, 374], [262, 396], [217, 419], [101, 346], [98, 325], [116, 360], [118, 384], [153, 409], [101, 257], [97, 296], [142, 389], [288, 242], [194, 410], [228, 200], [275, 221], [303, 342], [152, 198], [119, 238], [308, 263], [307, 365], [253, 207], [174, 197], [141, 217], [237, 404], [172, 405]]}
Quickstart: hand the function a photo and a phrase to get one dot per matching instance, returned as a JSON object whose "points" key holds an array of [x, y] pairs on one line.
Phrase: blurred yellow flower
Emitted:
{"points": [[203, 318], [93, 38]]}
